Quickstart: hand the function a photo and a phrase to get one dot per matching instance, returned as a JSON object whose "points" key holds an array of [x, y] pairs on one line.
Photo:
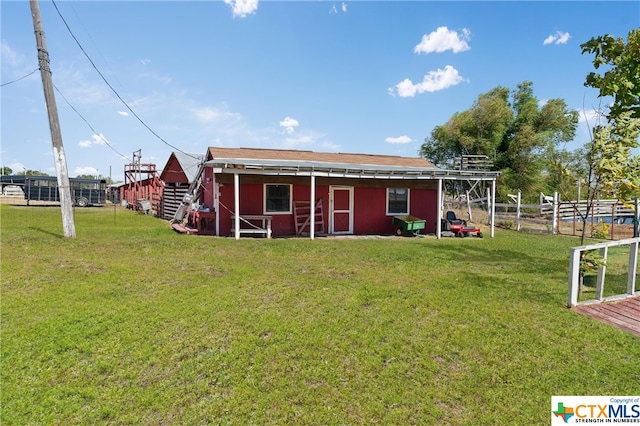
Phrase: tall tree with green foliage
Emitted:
{"points": [[613, 169], [32, 173], [512, 129], [622, 80]]}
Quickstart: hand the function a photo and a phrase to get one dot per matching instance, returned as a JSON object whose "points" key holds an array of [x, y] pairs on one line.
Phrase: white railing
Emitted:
{"points": [[574, 269]]}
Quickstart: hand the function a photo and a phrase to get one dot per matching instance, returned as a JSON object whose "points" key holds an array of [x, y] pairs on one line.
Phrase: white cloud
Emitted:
{"points": [[87, 170], [160, 78], [96, 140], [399, 140], [592, 117], [443, 39], [214, 114], [9, 56], [558, 38], [289, 124], [17, 167], [310, 140], [334, 9], [77, 88], [242, 8], [123, 113], [431, 82]]}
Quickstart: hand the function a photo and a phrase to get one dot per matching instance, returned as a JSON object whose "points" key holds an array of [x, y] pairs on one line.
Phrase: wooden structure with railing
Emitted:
{"points": [[142, 189]]}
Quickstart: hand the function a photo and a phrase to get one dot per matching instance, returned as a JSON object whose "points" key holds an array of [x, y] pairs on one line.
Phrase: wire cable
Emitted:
{"points": [[153, 132], [90, 126], [21, 78]]}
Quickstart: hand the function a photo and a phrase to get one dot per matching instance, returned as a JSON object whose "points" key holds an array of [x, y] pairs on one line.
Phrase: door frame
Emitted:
{"points": [[333, 211]]}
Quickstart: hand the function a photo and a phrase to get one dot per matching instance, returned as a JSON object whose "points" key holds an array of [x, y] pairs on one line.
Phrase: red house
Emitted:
{"points": [[273, 191]]}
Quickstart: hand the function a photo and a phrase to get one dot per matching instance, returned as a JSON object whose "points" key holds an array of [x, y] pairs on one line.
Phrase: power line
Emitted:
{"points": [[21, 78], [90, 126], [114, 90]]}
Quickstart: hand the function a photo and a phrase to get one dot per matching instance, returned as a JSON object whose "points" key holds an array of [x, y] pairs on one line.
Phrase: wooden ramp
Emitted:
{"points": [[623, 314]]}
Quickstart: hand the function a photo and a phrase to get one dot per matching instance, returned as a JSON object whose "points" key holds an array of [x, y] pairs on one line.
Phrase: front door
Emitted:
{"points": [[341, 210]]}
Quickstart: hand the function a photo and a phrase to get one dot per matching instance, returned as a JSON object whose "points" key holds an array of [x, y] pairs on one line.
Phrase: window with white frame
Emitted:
{"points": [[397, 201], [277, 198]]}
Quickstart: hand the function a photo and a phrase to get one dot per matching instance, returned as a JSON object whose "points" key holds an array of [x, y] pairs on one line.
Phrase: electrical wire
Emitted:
{"points": [[90, 126], [21, 78], [153, 132]]}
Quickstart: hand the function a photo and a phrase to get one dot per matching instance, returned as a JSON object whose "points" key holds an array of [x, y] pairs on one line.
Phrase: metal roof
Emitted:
{"points": [[189, 163], [273, 167]]}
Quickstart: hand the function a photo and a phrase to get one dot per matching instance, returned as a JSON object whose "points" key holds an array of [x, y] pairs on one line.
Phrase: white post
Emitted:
{"points": [[469, 208], [236, 206], [519, 200], [574, 276], [602, 271], [633, 265], [493, 208], [439, 212], [636, 219], [216, 206], [312, 205], [554, 221]]}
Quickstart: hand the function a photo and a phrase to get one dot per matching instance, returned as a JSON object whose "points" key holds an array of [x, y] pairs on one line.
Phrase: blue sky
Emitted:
{"points": [[364, 77]]}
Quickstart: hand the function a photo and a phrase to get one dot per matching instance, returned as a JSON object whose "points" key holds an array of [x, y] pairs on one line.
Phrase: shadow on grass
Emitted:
{"points": [[44, 231], [515, 260]]}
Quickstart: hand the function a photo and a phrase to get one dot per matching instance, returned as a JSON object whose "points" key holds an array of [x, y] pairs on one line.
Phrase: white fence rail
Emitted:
{"points": [[551, 211], [574, 269]]}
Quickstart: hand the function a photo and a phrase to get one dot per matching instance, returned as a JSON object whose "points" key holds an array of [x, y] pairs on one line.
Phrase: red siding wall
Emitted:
{"points": [[369, 207], [173, 172]]}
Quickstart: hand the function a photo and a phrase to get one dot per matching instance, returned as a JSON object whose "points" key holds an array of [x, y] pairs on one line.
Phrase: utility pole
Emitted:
{"points": [[64, 189]]}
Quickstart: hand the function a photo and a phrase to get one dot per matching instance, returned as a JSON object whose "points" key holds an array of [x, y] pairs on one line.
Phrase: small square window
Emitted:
{"points": [[277, 198], [397, 201]]}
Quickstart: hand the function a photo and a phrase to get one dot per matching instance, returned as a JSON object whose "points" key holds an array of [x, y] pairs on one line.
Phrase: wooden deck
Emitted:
{"points": [[623, 314]]}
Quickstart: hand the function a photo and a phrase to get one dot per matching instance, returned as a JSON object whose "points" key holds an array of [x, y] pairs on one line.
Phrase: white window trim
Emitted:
{"points": [[264, 198], [408, 202]]}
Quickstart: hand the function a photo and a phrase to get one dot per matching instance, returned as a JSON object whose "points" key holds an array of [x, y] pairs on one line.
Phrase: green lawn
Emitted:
{"points": [[131, 323]]}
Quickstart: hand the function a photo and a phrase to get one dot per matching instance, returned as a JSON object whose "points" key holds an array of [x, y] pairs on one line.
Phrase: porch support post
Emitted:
{"points": [[216, 206], [439, 211], [236, 204], [493, 207], [312, 205]]}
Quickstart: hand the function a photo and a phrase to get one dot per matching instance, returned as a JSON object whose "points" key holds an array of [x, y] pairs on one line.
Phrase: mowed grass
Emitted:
{"points": [[131, 323]]}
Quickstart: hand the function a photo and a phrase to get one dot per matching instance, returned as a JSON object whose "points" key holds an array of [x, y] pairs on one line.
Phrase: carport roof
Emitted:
{"points": [[274, 162]]}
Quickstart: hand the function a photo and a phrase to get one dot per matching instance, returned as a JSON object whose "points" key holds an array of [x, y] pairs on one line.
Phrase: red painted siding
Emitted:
{"points": [[369, 207], [172, 172]]}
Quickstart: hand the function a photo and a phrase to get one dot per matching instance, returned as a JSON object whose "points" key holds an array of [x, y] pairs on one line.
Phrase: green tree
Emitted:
{"points": [[622, 80], [6, 171], [32, 173], [613, 169], [477, 131], [511, 129], [107, 179]]}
